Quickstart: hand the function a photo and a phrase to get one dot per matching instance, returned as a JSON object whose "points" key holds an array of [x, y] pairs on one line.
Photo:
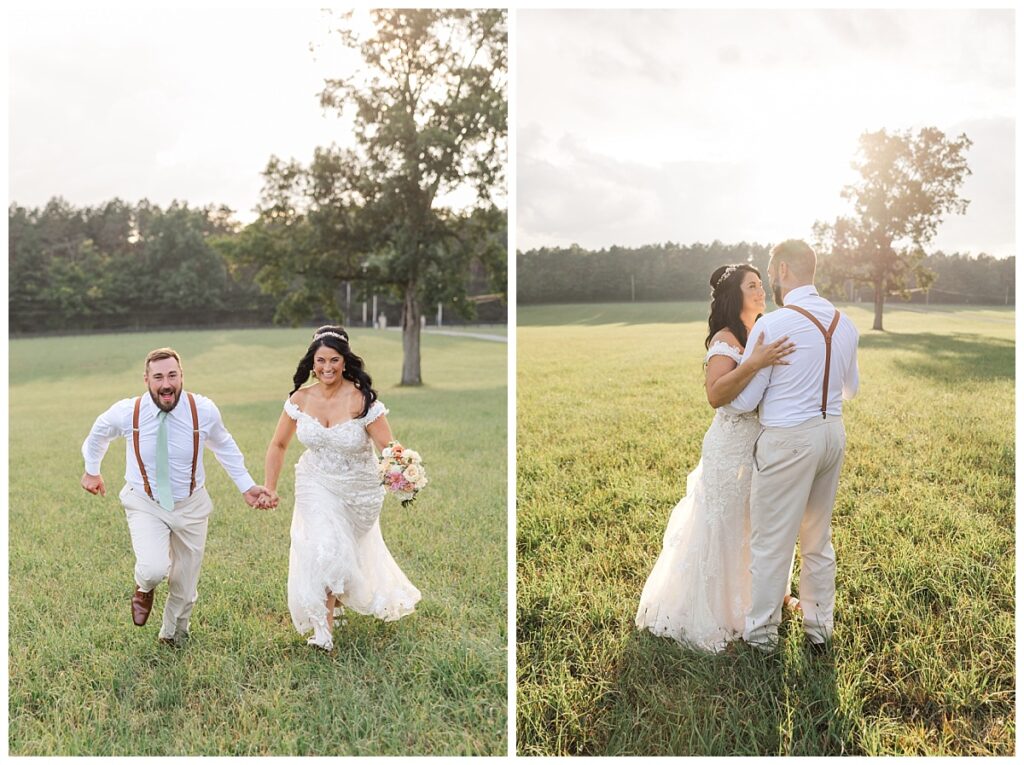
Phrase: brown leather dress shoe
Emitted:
{"points": [[819, 649], [178, 641], [142, 604]]}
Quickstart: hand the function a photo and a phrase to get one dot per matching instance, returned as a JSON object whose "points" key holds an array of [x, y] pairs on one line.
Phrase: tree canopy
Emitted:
{"points": [[908, 182], [429, 107], [672, 271], [118, 264]]}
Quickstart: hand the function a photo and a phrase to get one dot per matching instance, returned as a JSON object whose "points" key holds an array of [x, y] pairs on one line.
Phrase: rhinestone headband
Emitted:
{"points": [[329, 334], [724, 276]]}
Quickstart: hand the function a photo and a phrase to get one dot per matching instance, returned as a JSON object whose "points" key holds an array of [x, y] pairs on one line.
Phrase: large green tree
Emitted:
{"points": [[429, 108], [908, 182]]}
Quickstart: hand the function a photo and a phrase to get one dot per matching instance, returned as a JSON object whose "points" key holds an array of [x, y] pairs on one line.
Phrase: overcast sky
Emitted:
{"points": [[637, 127], [164, 104]]}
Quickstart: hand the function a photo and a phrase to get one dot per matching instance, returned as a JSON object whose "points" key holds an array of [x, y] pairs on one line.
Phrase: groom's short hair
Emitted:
{"points": [[798, 255], [162, 353]]}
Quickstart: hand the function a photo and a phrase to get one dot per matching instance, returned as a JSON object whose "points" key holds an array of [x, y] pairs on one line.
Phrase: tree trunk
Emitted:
{"points": [[879, 303], [411, 338]]}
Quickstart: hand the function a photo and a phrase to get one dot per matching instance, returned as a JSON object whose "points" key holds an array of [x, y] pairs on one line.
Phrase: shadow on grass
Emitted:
{"points": [[52, 359], [948, 357], [674, 312], [671, 701], [599, 314]]}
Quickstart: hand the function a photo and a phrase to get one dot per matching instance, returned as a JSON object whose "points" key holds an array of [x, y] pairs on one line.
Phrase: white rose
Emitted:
{"points": [[385, 452], [413, 473], [412, 456]]}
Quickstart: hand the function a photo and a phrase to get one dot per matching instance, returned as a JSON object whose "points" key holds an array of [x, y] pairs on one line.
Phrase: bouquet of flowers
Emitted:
{"points": [[401, 472]]}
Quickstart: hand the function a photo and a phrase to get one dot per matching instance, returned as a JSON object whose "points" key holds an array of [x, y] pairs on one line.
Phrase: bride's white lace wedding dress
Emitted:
{"points": [[699, 590], [336, 544]]}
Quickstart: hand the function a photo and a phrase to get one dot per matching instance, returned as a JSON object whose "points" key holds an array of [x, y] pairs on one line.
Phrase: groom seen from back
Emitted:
{"points": [[799, 453], [164, 496]]}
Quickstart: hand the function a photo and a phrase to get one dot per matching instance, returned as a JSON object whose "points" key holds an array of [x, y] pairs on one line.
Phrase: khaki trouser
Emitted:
{"points": [[793, 488], [169, 544]]}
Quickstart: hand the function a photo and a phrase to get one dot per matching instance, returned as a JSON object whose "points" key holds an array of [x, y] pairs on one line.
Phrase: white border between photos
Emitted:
{"points": [[510, 292]]}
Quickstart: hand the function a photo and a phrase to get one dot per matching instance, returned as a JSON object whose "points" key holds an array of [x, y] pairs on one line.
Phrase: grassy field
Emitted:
{"points": [[611, 414], [84, 680], [498, 330]]}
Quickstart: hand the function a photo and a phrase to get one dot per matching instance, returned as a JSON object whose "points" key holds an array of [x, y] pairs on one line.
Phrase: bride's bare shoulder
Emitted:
{"points": [[726, 336], [299, 397]]}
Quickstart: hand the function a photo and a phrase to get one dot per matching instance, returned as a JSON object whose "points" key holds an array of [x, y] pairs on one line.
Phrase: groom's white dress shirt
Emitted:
{"points": [[117, 422], [791, 394]]}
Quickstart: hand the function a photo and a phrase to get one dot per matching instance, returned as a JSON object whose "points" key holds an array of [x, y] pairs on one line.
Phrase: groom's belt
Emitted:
{"points": [[195, 444]]}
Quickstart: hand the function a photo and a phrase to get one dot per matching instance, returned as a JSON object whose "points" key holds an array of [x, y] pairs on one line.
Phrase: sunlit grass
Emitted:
{"points": [[611, 413], [84, 680]]}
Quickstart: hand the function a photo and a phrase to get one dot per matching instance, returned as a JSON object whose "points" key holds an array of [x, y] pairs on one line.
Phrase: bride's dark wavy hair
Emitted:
{"points": [[354, 371], [727, 301]]}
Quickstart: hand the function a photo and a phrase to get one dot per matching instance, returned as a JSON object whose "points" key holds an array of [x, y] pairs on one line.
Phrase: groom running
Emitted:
{"points": [[164, 498], [799, 453]]}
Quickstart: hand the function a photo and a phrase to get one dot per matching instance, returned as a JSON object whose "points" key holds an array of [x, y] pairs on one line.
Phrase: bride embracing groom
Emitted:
{"points": [[767, 477]]}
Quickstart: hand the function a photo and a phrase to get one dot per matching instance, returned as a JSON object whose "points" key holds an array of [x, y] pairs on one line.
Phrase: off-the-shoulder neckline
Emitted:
{"points": [[730, 346], [289, 402]]}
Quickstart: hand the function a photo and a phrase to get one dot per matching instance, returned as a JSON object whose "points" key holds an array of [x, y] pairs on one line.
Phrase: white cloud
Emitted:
{"points": [[693, 125], [163, 104]]}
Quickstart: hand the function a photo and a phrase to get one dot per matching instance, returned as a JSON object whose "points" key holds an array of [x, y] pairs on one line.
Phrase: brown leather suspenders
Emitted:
{"points": [[195, 436], [135, 441], [195, 443], [827, 334]]}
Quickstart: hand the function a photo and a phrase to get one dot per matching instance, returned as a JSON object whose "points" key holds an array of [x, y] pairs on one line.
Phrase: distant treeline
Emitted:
{"points": [[681, 272], [119, 265], [136, 266]]}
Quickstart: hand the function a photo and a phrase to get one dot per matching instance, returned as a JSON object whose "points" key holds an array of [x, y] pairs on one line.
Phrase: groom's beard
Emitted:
{"points": [[155, 395], [777, 294]]}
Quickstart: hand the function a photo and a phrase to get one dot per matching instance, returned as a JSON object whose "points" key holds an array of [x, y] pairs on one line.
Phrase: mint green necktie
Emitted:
{"points": [[163, 468]]}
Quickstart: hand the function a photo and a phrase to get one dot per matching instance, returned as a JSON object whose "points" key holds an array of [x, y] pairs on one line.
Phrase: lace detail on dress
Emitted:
{"points": [[377, 409], [342, 448], [336, 539], [720, 348], [699, 589]]}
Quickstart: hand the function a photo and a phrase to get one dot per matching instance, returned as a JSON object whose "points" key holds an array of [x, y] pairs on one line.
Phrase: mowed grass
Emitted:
{"points": [[84, 680], [611, 414]]}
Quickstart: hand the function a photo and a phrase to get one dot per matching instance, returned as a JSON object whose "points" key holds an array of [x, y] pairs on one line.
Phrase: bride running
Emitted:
{"points": [[338, 556]]}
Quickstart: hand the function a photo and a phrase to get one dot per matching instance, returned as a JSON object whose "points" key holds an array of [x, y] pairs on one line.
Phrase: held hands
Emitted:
{"points": [[94, 484], [768, 355], [257, 496], [260, 497]]}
